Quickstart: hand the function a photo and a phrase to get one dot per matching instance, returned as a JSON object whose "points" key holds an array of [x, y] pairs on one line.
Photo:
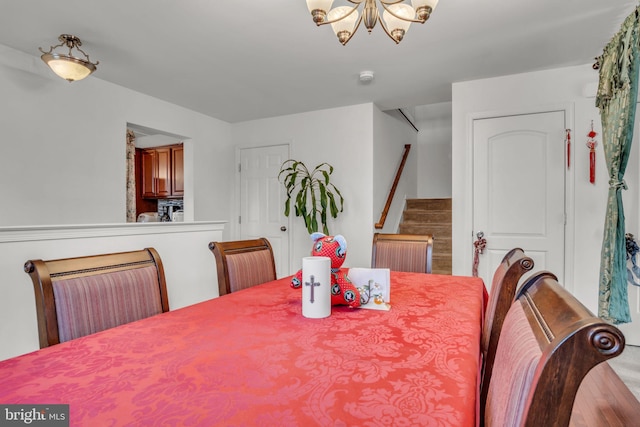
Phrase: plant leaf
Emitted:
{"points": [[325, 229], [326, 177], [332, 205], [314, 193]]}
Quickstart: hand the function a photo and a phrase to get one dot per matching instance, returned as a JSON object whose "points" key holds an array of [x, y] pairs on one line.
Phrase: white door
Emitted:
{"points": [[262, 199], [519, 189]]}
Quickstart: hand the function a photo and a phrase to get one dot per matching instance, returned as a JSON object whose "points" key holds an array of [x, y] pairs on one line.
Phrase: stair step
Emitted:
{"points": [[437, 204], [431, 216], [437, 230], [441, 265], [442, 245]]}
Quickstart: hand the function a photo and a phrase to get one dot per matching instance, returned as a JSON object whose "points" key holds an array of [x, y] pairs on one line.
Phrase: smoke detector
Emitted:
{"points": [[366, 76]]}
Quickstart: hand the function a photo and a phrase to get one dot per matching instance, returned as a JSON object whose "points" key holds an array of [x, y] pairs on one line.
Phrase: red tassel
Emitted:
{"points": [[568, 137], [591, 143]]}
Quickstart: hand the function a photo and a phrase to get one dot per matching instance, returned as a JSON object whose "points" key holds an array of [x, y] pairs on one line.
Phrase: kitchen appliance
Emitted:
{"points": [[177, 216], [148, 217]]}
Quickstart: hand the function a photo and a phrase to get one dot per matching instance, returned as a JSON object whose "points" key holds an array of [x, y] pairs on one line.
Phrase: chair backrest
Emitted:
{"points": [[243, 263], [402, 252], [84, 295], [503, 290], [549, 341]]}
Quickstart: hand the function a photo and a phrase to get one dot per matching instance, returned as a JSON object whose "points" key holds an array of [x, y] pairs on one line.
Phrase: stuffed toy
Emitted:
{"points": [[343, 291]]}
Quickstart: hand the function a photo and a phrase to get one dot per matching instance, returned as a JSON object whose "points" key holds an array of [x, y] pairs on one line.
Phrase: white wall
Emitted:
{"points": [[572, 88], [343, 137], [189, 266], [391, 133], [434, 150], [63, 147], [62, 161]]}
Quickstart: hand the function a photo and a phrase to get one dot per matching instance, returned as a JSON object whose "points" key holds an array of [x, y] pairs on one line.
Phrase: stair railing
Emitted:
{"points": [[392, 192]]}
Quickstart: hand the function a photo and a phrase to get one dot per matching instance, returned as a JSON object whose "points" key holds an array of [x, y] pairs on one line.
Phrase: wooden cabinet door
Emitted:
{"points": [[148, 173], [163, 172], [177, 172]]}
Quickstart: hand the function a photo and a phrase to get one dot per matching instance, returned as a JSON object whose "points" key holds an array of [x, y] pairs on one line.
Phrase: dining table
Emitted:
{"points": [[250, 358]]}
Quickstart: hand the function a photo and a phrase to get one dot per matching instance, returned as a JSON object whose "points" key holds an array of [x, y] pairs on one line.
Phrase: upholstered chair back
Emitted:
{"points": [[242, 264], [81, 296], [503, 289], [548, 343], [402, 252]]}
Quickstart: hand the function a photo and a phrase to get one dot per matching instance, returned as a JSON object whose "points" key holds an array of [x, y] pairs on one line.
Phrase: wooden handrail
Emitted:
{"points": [[392, 192]]}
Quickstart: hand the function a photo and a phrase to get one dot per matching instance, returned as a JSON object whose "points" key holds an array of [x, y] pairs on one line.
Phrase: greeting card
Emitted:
{"points": [[374, 285]]}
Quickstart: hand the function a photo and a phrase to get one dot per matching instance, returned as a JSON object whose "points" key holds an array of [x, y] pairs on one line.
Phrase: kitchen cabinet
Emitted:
{"points": [[177, 171], [162, 172]]}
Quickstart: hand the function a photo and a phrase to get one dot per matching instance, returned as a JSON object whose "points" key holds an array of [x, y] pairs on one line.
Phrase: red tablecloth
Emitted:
{"points": [[250, 358]]}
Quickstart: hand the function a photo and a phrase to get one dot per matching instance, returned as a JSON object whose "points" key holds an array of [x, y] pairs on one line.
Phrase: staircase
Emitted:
{"points": [[431, 216]]}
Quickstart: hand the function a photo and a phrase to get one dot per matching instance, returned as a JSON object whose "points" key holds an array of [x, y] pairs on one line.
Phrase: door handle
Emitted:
{"points": [[283, 228]]}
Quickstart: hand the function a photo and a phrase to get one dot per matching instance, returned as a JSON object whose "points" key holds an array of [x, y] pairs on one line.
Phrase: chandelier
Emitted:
{"points": [[395, 21], [69, 67]]}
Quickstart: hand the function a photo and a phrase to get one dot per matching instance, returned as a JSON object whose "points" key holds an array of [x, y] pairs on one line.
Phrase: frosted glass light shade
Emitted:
{"points": [[319, 5], [401, 9], [346, 24], [420, 3], [395, 16], [68, 67]]}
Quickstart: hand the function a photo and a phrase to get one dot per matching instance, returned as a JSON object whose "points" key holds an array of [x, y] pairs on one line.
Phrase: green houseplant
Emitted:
{"points": [[315, 195]]}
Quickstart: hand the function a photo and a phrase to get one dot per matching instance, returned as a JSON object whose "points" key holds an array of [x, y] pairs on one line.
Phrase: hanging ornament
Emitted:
{"points": [[592, 143], [568, 137]]}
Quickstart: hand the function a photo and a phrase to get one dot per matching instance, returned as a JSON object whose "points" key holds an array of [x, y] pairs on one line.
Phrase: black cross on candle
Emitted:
{"points": [[313, 285]]}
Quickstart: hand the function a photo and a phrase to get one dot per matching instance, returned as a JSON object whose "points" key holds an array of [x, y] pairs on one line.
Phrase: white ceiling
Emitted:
{"points": [[242, 60]]}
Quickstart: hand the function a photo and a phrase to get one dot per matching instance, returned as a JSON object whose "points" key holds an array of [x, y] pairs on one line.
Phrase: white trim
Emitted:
{"points": [[570, 203], [400, 218], [58, 232]]}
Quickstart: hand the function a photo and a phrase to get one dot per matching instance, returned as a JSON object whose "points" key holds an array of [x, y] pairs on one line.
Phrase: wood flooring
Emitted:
{"points": [[604, 400]]}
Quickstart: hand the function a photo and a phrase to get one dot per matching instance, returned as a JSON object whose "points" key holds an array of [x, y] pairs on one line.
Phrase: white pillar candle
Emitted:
{"points": [[316, 287]]}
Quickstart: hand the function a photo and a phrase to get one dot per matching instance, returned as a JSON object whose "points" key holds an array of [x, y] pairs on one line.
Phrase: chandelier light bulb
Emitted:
{"points": [[398, 19], [343, 23], [318, 9], [424, 8]]}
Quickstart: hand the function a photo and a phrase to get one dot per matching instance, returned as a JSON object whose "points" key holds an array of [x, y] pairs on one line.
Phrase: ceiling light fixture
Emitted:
{"points": [[396, 17], [69, 67]]}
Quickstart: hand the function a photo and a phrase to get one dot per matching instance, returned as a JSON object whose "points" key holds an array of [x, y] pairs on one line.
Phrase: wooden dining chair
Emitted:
{"points": [[402, 252], [503, 290], [549, 342], [84, 295], [243, 263]]}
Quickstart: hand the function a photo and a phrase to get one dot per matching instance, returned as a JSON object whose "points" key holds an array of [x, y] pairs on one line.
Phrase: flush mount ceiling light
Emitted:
{"points": [[396, 17], [69, 67]]}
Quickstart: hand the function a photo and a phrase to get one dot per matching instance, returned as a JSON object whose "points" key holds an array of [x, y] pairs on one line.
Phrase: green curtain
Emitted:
{"points": [[616, 99]]}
